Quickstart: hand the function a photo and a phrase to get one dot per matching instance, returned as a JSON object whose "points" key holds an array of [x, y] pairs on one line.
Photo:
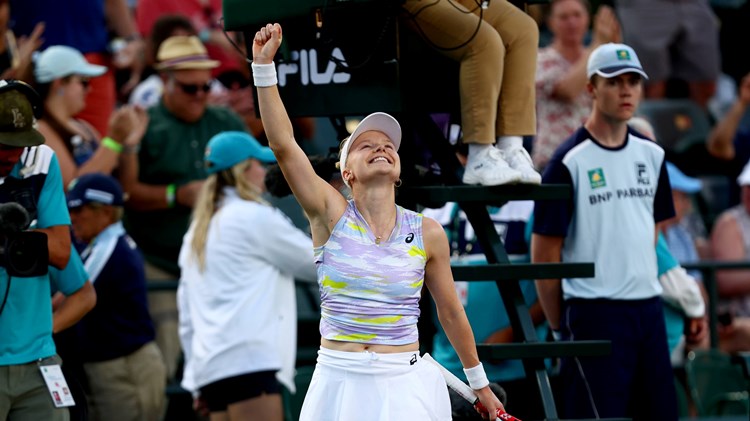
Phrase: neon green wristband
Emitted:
{"points": [[171, 195], [112, 144]]}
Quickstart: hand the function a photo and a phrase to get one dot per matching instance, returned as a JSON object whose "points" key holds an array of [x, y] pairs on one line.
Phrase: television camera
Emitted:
{"points": [[22, 253]]}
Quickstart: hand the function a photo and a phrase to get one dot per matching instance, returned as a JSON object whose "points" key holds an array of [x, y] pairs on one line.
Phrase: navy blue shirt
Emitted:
{"points": [[76, 23], [120, 322]]}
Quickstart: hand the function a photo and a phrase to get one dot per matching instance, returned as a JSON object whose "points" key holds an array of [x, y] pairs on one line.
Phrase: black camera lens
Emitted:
{"points": [[25, 254]]}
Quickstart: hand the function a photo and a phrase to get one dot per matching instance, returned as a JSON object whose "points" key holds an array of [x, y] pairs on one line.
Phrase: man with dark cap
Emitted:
{"points": [[30, 177], [124, 367]]}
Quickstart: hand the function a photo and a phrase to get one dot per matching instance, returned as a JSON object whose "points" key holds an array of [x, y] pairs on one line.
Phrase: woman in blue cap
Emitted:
{"points": [[236, 297]]}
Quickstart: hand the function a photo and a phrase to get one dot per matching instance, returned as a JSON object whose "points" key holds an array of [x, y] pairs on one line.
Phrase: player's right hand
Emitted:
{"points": [[490, 404], [266, 42]]}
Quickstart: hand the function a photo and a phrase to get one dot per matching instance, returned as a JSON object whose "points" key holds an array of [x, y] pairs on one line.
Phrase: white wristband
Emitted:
{"points": [[264, 75], [477, 377]]}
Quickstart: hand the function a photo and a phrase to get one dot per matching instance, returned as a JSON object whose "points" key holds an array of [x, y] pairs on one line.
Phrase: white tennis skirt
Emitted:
{"points": [[367, 386]]}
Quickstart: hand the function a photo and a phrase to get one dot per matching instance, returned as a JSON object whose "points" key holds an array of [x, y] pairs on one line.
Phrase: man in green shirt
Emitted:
{"points": [[163, 178]]}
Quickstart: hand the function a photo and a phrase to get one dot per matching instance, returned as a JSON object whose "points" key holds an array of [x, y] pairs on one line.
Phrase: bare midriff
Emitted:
{"points": [[361, 347]]}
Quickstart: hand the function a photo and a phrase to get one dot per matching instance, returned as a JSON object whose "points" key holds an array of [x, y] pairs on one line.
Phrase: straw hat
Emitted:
{"points": [[183, 53]]}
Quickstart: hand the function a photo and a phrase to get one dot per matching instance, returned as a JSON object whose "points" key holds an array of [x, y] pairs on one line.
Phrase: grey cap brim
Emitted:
{"points": [[610, 72], [381, 122], [91, 70], [22, 139]]}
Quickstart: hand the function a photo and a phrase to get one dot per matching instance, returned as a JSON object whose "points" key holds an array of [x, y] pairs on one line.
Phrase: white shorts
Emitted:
{"points": [[367, 386]]}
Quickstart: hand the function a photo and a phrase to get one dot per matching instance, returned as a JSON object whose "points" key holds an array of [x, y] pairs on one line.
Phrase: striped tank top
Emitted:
{"points": [[370, 292]]}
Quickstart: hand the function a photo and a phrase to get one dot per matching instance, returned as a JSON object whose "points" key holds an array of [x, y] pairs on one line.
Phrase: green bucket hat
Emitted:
{"points": [[18, 110]]}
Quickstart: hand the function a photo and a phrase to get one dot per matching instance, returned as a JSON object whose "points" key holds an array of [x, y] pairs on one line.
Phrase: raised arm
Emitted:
{"points": [[322, 203], [120, 20], [720, 141]]}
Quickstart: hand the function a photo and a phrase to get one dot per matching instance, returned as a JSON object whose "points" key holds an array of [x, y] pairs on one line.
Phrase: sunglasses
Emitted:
{"points": [[192, 89]]}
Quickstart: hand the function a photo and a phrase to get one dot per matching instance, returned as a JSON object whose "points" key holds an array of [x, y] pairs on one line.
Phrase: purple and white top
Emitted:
{"points": [[370, 289]]}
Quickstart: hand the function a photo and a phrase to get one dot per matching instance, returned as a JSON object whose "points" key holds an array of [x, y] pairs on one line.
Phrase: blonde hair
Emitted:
{"points": [[206, 206]]}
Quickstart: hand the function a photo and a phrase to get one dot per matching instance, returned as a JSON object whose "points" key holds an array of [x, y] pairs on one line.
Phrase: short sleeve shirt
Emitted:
{"points": [[172, 152], [618, 196], [26, 320]]}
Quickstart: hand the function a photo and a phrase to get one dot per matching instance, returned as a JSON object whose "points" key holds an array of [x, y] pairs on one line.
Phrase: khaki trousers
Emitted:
{"points": [[497, 68], [129, 388], [163, 308]]}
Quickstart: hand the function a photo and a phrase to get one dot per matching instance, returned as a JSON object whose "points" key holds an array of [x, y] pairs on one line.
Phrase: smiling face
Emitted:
{"points": [[372, 154], [186, 93]]}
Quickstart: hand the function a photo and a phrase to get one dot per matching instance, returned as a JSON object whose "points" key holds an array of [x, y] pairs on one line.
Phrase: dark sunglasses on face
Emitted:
{"points": [[192, 89]]}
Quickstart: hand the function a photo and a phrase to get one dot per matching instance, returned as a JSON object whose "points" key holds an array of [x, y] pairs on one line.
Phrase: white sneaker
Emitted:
{"points": [[519, 160], [490, 169]]}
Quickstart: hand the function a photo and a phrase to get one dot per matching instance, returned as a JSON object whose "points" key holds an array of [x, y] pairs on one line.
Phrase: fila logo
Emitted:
{"points": [[305, 64], [641, 173], [409, 238]]}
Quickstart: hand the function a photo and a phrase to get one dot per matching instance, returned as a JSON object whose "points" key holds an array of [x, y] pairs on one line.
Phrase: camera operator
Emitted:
{"points": [[31, 186]]}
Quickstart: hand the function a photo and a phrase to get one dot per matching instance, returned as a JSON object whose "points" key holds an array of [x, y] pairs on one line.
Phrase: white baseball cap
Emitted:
{"points": [[381, 122], [610, 60], [60, 61]]}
